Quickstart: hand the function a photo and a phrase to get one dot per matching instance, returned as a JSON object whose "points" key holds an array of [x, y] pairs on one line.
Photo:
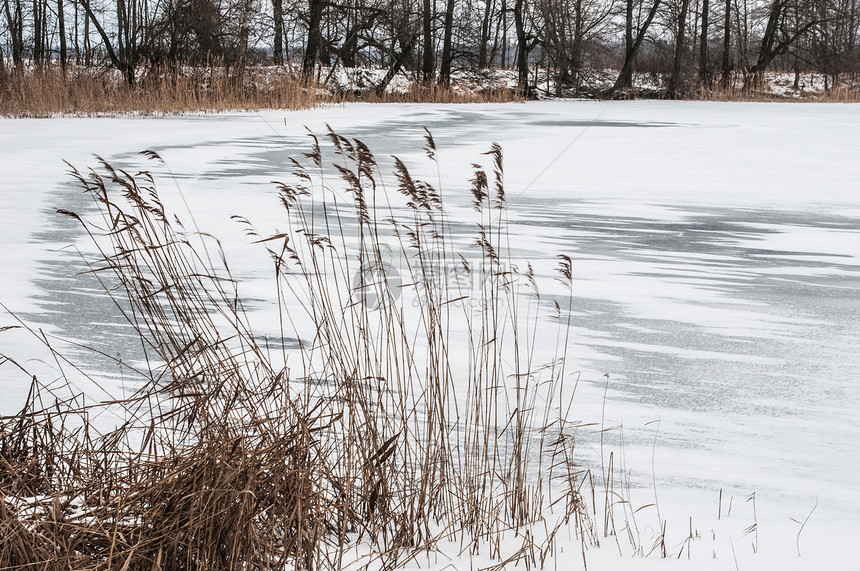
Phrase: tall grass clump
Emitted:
{"points": [[404, 405]]}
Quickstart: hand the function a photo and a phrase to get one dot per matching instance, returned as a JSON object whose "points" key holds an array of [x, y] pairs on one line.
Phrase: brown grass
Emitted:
{"points": [[383, 428], [847, 93], [841, 95], [45, 92], [49, 91]]}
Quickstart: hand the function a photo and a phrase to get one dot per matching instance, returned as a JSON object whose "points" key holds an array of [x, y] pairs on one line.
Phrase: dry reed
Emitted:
{"points": [[397, 426], [48, 91], [81, 91], [775, 87]]}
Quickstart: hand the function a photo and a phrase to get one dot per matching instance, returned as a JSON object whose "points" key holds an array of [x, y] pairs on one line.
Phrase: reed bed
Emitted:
{"points": [[838, 95], [79, 91], [398, 409], [47, 91], [779, 87]]}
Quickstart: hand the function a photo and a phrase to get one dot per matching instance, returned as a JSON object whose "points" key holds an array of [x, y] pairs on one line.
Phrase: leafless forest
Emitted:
{"points": [[555, 46]]}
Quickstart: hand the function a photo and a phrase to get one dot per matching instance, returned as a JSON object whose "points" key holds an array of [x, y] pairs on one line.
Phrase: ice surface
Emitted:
{"points": [[716, 249]]}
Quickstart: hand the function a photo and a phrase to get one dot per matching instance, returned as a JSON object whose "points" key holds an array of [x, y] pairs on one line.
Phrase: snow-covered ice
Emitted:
{"points": [[716, 252]]}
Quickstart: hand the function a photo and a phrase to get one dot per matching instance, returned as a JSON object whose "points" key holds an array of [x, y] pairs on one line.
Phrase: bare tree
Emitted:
{"points": [[15, 24], [633, 44], [569, 27], [428, 54], [523, 48], [314, 38], [447, 48], [675, 87], [726, 66], [486, 27], [121, 64], [278, 26], [778, 36], [831, 42], [61, 23], [704, 65]]}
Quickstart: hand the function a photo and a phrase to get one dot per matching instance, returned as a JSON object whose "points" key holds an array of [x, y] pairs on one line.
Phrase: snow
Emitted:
{"points": [[716, 249], [776, 84]]}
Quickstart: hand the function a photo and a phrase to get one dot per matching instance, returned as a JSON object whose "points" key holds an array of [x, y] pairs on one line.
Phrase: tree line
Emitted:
{"points": [[555, 45]]}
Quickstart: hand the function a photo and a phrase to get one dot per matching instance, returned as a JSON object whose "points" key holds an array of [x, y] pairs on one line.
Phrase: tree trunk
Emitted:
{"points": [[766, 51], [522, 49], [427, 60], [87, 43], [15, 22], [61, 23], [77, 35], [244, 33], [772, 45], [675, 87], [727, 46], [278, 44], [37, 32], [447, 48], [625, 78], [314, 37], [704, 71], [124, 66], [399, 59], [485, 34], [852, 27], [576, 51], [120, 32], [504, 34]]}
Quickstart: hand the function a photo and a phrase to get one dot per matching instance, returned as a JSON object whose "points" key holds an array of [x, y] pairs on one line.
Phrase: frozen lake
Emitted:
{"points": [[716, 251]]}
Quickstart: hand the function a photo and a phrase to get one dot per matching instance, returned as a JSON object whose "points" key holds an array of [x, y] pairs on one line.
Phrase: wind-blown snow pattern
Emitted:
{"points": [[716, 255]]}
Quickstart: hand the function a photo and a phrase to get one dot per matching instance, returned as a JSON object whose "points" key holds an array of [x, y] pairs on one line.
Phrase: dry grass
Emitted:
{"points": [[392, 426], [45, 92], [841, 95], [777, 88], [81, 91]]}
